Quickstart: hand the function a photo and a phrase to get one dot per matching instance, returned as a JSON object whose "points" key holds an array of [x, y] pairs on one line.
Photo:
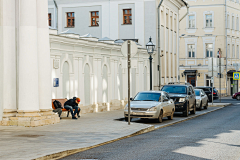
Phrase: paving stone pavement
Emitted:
{"points": [[91, 129]]}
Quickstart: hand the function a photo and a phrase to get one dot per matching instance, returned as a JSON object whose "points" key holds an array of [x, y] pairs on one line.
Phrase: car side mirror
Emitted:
{"points": [[165, 100], [131, 99], [202, 95]]}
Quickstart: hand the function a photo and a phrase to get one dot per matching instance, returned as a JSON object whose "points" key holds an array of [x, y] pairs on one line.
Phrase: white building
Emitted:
{"points": [[120, 19]]}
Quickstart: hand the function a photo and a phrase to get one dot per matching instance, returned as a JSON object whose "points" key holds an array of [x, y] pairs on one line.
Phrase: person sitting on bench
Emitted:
{"points": [[72, 104]]}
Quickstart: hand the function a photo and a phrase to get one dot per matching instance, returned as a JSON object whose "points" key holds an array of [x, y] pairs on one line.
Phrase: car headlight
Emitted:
{"points": [[182, 99], [152, 109], [198, 100]]}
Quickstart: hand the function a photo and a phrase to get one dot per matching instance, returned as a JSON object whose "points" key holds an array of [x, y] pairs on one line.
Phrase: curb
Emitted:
{"points": [[73, 151], [145, 130]]}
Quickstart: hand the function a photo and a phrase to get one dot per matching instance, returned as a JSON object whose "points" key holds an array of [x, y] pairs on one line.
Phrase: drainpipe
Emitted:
{"points": [[159, 50], [226, 25], [186, 13], [56, 12]]}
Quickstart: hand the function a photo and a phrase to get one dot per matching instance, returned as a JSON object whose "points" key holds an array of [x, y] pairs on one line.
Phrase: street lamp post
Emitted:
{"points": [[150, 49]]}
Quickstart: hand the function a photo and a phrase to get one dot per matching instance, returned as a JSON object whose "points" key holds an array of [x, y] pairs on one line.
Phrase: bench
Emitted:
{"points": [[62, 101]]}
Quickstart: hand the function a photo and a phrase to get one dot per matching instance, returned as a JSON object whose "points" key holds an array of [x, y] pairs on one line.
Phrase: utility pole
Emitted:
{"points": [[129, 67], [212, 80], [226, 46], [220, 76]]}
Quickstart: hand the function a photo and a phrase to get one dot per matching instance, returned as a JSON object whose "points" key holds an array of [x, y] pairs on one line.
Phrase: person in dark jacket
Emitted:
{"points": [[72, 104]]}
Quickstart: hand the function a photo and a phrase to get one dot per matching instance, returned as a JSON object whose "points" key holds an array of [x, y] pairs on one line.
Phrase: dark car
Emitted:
{"points": [[236, 96], [183, 96], [208, 91]]}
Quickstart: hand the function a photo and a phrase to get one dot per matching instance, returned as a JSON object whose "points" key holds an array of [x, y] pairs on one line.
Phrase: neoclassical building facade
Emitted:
{"points": [[25, 88], [95, 71], [210, 25]]}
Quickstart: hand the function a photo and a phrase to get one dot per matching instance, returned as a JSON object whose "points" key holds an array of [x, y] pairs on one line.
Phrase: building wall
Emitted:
{"points": [[97, 75], [201, 35], [144, 25]]}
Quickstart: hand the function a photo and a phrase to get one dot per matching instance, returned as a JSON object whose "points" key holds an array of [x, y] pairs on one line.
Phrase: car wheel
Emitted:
{"points": [[194, 109], [185, 114], [171, 117], [126, 119], [160, 117], [238, 98], [205, 107], [200, 108]]}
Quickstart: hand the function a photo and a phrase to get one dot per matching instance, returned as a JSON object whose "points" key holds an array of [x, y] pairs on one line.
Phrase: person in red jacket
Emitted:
{"points": [[72, 104]]}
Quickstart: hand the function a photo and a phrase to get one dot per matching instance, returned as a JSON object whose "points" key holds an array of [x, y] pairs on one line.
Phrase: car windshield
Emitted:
{"points": [[147, 97], [197, 92], [175, 89]]}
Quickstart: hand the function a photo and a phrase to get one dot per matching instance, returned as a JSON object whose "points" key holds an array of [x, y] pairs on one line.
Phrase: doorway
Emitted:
{"points": [[192, 80]]}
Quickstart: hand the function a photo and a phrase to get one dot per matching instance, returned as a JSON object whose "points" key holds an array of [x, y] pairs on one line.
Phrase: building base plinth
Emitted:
{"points": [[31, 119]]}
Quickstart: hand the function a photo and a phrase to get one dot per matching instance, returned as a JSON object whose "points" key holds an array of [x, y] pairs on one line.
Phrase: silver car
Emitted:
{"points": [[201, 99], [151, 105]]}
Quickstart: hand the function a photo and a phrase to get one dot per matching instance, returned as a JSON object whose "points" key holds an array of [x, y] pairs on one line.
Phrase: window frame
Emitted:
{"points": [[233, 51], [50, 19], [72, 19], [208, 49], [237, 23], [233, 23], [128, 15], [206, 19], [96, 16], [193, 53], [192, 22]]}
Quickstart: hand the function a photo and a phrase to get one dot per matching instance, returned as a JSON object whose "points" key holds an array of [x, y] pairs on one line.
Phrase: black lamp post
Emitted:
{"points": [[150, 49]]}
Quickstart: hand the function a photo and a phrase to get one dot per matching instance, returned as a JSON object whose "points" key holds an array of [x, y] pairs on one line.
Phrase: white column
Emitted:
{"points": [[7, 58], [115, 79], [125, 83], [43, 48], [54, 90], [28, 58]]}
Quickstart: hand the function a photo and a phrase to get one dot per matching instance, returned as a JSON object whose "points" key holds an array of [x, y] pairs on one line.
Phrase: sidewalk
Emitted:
{"points": [[89, 130], [56, 140]]}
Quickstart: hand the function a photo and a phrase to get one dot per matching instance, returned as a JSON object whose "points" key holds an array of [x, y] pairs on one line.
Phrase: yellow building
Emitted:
{"points": [[210, 26]]}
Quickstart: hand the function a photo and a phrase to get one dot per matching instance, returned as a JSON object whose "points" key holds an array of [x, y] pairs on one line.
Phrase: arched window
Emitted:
{"points": [[87, 82], [105, 84]]}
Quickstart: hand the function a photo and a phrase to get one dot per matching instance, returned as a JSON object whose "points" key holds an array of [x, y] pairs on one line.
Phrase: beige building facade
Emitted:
{"points": [[210, 26]]}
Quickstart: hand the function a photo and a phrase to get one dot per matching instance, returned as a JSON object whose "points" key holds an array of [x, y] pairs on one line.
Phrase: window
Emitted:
{"points": [[208, 20], [191, 21], [208, 81], [233, 22], [209, 50], [49, 19], [191, 50], [237, 23], [228, 51], [95, 18], [228, 21], [237, 51], [127, 16], [70, 19], [233, 51]]}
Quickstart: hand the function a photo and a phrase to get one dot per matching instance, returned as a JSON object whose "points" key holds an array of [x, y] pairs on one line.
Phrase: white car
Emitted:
{"points": [[201, 99], [150, 105]]}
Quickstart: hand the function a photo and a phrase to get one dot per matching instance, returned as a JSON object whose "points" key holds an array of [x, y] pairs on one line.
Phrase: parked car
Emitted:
{"points": [[201, 99], [183, 96], [150, 105], [208, 91], [236, 96]]}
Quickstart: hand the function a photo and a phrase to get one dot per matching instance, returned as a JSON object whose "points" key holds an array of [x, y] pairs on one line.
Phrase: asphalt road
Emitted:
{"points": [[215, 135]]}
